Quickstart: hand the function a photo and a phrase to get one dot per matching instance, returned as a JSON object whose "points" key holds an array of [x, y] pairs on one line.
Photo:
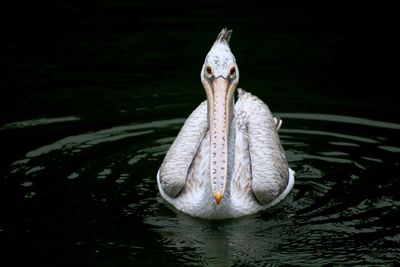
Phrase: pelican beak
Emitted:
{"points": [[220, 112]]}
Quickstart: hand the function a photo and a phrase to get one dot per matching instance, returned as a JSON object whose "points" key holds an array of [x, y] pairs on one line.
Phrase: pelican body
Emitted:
{"points": [[227, 160]]}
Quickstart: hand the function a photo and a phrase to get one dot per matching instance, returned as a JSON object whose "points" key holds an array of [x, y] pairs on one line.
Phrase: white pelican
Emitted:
{"points": [[227, 160]]}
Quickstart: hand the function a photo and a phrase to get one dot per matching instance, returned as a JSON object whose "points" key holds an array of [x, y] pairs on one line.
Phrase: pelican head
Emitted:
{"points": [[220, 76]]}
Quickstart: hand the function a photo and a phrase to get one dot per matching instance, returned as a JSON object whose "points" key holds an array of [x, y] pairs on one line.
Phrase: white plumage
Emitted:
{"points": [[227, 160]]}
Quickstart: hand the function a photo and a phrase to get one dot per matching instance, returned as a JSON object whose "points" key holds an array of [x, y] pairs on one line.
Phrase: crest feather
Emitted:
{"points": [[224, 36]]}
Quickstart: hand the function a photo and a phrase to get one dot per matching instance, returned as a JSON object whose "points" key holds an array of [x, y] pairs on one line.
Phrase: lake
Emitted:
{"points": [[93, 95]]}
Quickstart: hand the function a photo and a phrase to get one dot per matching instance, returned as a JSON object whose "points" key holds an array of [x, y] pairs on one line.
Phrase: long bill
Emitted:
{"points": [[220, 114]]}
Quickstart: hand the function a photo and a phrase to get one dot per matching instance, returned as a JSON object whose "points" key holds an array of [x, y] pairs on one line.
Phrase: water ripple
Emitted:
{"points": [[37, 122], [340, 119], [342, 207]]}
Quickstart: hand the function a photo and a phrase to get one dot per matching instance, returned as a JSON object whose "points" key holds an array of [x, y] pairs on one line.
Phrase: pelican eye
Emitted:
{"points": [[232, 71], [209, 70]]}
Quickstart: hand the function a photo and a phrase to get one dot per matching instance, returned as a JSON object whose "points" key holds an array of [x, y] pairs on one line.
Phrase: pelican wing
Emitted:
{"points": [[269, 167], [174, 169]]}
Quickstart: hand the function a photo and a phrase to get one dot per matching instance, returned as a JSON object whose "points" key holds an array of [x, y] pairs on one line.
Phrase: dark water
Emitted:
{"points": [[93, 96]]}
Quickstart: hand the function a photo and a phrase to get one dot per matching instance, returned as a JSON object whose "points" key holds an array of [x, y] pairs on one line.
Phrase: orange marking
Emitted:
{"points": [[218, 197]]}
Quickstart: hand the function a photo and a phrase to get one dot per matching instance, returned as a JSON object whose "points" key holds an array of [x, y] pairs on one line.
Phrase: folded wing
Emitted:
{"points": [[174, 169]]}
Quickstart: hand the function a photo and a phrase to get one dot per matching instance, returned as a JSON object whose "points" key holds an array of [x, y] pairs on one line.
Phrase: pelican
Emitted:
{"points": [[227, 160]]}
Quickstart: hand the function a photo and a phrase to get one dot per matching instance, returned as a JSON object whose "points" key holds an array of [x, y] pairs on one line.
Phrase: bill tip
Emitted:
{"points": [[218, 197]]}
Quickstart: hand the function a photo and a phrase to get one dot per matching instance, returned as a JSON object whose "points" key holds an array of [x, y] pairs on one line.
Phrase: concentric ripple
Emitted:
{"points": [[94, 193]]}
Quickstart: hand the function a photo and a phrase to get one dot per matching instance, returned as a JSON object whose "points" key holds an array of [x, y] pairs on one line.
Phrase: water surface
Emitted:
{"points": [[93, 103]]}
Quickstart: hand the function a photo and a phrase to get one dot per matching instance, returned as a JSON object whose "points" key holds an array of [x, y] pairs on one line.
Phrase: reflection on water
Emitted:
{"points": [[240, 241], [32, 123], [341, 119], [98, 190], [74, 144]]}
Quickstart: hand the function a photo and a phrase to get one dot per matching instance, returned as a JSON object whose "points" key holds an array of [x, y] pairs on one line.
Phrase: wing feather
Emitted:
{"points": [[269, 167], [174, 169]]}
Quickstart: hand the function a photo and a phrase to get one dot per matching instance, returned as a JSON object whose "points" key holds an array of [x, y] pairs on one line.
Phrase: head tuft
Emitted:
{"points": [[224, 36]]}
